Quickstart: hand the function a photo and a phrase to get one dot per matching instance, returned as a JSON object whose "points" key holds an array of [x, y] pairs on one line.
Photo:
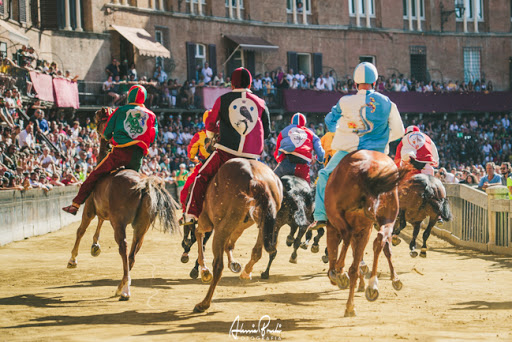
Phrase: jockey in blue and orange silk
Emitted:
{"points": [[366, 120], [242, 121], [131, 129], [294, 148]]}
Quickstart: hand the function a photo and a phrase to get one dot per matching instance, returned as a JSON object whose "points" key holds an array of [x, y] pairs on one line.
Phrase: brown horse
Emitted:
{"points": [[123, 198], [361, 192], [243, 192], [421, 196]]}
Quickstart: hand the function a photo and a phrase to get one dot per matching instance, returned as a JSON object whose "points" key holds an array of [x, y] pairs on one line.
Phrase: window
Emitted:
{"points": [[304, 63], [159, 38], [3, 49], [200, 56], [203, 2], [471, 64], [413, 9], [233, 3], [468, 10], [362, 7], [418, 60], [299, 5], [369, 59]]}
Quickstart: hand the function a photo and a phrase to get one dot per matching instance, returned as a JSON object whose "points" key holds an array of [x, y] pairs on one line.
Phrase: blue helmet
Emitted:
{"points": [[365, 73], [299, 119]]}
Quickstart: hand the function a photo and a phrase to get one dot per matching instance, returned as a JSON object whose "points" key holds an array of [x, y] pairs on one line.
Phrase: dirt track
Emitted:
{"points": [[452, 295]]}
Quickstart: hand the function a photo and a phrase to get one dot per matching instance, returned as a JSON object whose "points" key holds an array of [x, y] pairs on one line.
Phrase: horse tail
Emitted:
{"points": [[160, 202], [386, 180], [267, 211]]}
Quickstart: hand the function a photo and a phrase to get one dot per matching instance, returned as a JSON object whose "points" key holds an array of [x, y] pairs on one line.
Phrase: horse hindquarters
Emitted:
{"points": [[266, 210]]}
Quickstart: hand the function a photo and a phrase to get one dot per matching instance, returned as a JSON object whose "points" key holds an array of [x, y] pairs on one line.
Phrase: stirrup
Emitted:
{"points": [[71, 209], [187, 221], [317, 225]]}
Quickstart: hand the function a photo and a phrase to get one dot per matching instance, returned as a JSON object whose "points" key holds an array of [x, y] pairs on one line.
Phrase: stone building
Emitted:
{"points": [[425, 39]]}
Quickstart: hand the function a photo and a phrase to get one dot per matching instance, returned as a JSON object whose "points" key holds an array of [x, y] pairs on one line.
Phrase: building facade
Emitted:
{"points": [[426, 39]]}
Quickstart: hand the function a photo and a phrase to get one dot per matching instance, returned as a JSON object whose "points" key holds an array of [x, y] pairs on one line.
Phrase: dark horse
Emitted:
{"points": [[243, 192], [421, 196], [296, 211], [361, 192], [123, 198]]}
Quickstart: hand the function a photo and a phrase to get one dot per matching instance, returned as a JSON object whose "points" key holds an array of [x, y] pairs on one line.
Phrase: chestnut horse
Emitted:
{"points": [[243, 192], [421, 196], [361, 192], [123, 198]]}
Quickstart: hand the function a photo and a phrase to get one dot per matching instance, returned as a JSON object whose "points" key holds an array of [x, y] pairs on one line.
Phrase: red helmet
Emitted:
{"points": [[299, 119], [411, 129]]}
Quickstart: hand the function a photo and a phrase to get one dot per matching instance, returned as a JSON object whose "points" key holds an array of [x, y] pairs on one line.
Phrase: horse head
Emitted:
{"points": [[101, 117]]}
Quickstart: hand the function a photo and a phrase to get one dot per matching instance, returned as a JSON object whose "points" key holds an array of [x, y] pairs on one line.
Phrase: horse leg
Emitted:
{"points": [[363, 269], [234, 266], [218, 246], [194, 273], [397, 284], [325, 257], [315, 247], [206, 276], [187, 243], [255, 256], [426, 235], [289, 238], [87, 217], [333, 241], [297, 243], [360, 241], [400, 224], [342, 278], [372, 291], [412, 246], [123, 290], [271, 258], [95, 248], [305, 244]]}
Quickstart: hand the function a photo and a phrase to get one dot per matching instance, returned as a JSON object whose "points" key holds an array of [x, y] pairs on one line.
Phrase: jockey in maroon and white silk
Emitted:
{"points": [[242, 122], [418, 149]]}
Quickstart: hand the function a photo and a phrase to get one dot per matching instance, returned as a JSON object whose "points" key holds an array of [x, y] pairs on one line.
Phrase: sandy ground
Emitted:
{"points": [[453, 295]]}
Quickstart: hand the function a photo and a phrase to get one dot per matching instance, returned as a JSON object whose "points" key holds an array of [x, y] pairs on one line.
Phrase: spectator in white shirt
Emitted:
{"points": [[331, 82], [26, 137], [207, 73], [257, 84], [289, 76], [153, 150], [160, 75], [473, 123], [320, 83]]}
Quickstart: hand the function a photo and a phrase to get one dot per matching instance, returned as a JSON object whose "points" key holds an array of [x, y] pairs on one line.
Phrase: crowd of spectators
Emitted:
{"points": [[170, 93]]}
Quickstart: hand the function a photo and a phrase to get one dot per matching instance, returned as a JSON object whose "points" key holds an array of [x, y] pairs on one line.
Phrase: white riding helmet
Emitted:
{"points": [[365, 73]]}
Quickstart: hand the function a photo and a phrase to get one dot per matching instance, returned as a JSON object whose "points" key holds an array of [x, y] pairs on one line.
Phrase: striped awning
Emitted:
{"points": [[143, 41]]}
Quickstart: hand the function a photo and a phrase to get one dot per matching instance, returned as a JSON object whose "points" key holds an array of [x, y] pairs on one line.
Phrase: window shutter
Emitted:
{"points": [[49, 19], [191, 60], [251, 62], [212, 58], [34, 12], [317, 64], [22, 9], [293, 62], [2, 10]]}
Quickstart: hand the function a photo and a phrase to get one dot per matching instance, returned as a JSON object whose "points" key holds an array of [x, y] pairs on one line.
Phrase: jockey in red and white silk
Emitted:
{"points": [[417, 148], [242, 121], [294, 148]]}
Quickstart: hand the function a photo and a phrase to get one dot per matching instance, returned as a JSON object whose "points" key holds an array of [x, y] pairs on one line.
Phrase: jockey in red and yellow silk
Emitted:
{"points": [[242, 121], [131, 129], [417, 149], [196, 147]]}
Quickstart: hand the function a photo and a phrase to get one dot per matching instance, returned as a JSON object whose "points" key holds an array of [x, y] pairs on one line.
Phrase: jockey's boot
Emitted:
{"points": [[188, 219], [72, 209], [317, 224]]}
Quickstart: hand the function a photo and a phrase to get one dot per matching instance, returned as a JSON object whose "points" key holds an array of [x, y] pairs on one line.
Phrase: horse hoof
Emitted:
{"points": [[325, 259], [423, 253], [194, 273], [343, 280], [184, 258], [395, 240], [332, 277], [304, 245], [206, 276], [124, 298], [235, 267], [72, 264], [293, 260], [95, 249], [372, 294], [315, 249], [199, 308], [413, 254], [245, 276], [264, 275], [397, 284], [364, 269], [350, 313], [289, 240]]}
